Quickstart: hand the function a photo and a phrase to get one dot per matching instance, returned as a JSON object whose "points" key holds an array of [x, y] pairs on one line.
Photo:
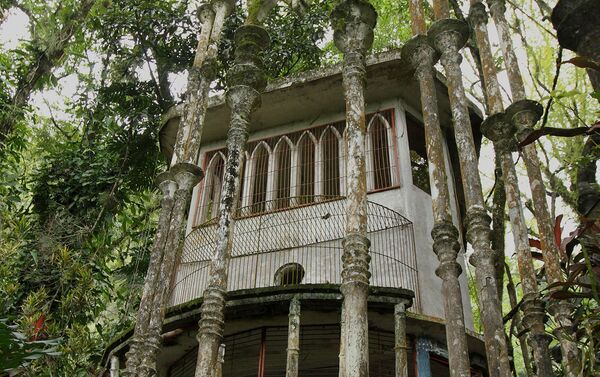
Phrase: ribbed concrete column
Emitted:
{"points": [[293, 348], [353, 22], [449, 36], [140, 339], [422, 56], [246, 80], [496, 348], [401, 341], [184, 174], [524, 114], [499, 130]]}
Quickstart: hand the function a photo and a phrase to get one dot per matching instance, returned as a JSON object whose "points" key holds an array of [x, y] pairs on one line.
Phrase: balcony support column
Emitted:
{"points": [[422, 55], [449, 36], [293, 348], [401, 341], [353, 22], [246, 81], [184, 173]]}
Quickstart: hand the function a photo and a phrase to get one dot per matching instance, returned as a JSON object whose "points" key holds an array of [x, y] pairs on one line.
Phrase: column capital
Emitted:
{"points": [[501, 131], [478, 14], [227, 5], [449, 35], [205, 13], [524, 115], [186, 175], [497, 6], [250, 41], [353, 22], [420, 53]]}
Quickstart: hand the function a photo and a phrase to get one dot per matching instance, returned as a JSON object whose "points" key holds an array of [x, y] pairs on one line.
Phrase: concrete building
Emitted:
{"points": [[290, 224]]}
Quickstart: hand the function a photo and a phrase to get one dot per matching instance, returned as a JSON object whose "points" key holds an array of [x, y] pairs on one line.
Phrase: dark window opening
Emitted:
{"points": [[418, 153], [306, 169], [261, 173], [283, 158], [289, 274], [382, 174], [331, 164]]}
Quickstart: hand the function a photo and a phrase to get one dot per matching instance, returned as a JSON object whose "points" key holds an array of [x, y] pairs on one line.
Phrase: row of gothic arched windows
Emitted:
{"points": [[300, 168]]}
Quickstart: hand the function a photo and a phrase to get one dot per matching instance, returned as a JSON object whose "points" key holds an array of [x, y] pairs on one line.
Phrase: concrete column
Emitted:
{"points": [[146, 342], [422, 56], [498, 129], [524, 114], [220, 361], [186, 177], [353, 22], [401, 342], [449, 36], [342, 355], [246, 81], [139, 341], [423, 345], [114, 366], [293, 349]]}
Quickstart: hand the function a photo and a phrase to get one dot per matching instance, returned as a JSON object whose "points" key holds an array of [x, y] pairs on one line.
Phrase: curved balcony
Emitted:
{"points": [[298, 245]]}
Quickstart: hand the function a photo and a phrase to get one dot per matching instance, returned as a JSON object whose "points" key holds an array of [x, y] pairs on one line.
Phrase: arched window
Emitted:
{"points": [[283, 172], [306, 168], [379, 150], [331, 153], [260, 176], [212, 187]]}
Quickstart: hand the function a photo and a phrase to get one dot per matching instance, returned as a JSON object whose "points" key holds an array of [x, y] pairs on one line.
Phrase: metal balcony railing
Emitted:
{"points": [[298, 245]]}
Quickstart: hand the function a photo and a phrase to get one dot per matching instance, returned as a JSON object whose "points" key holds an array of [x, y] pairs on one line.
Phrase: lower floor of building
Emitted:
{"points": [[255, 341]]}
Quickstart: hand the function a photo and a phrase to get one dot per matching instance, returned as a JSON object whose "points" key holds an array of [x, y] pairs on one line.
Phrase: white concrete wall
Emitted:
{"points": [[407, 199]]}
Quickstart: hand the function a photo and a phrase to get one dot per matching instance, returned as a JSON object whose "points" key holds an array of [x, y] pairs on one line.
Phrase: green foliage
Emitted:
{"points": [[17, 351]]}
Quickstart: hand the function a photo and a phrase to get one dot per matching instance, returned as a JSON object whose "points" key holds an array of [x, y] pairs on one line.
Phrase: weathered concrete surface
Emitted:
{"points": [[422, 56], [293, 348], [184, 175], [449, 36], [499, 130], [400, 340], [246, 80], [353, 22]]}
